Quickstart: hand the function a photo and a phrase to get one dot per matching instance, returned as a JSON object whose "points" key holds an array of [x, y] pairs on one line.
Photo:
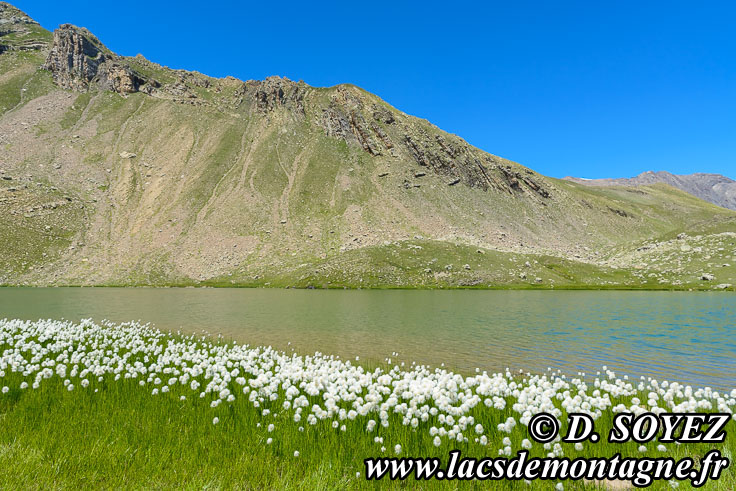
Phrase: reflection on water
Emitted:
{"points": [[687, 337]]}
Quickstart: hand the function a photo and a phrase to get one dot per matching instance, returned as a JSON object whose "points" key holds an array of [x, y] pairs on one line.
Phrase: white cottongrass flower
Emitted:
{"points": [[320, 389], [215, 420]]}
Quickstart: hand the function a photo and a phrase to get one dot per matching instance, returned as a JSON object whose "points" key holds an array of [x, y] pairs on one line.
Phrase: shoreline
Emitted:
{"points": [[688, 288]]}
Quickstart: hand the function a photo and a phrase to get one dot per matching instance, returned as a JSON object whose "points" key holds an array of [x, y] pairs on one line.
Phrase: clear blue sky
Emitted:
{"points": [[591, 89]]}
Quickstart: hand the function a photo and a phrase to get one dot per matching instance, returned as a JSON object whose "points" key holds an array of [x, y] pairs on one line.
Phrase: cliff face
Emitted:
{"points": [[117, 170], [713, 188], [78, 59]]}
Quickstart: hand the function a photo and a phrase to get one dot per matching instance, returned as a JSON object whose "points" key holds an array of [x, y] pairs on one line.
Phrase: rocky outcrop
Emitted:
{"points": [[363, 133], [336, 124], [78, 60], [119, 78], [516, 180], [11, 16], [445, 159], [276, 92], [344, 119], [13, 21], [180, 90], [463, 164], [382, 136], [379, 131], [383, 115], [75, 58], [353, 128]]}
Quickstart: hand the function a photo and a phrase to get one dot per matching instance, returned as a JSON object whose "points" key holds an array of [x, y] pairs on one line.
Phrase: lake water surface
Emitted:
{"points": [[677, 336]]}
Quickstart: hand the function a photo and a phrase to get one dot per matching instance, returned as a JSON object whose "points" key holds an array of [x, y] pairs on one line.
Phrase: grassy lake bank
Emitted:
{"points": [[87, 405]]}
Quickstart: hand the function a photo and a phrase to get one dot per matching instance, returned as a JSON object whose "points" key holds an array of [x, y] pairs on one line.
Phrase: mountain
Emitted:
{"points": [[713, 188], [118, 171]]}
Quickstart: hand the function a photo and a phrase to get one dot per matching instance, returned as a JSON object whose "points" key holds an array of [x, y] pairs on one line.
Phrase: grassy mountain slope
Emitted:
{"points": [[116, 170]]}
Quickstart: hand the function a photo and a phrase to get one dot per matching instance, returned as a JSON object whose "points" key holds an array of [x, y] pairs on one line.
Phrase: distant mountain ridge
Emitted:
{"points": [[713, 188]]}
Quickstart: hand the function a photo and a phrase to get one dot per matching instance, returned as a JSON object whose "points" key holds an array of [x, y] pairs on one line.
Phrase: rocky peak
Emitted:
{"points": [[26, 32], [75, 57], [11, 16], [78, 59]]}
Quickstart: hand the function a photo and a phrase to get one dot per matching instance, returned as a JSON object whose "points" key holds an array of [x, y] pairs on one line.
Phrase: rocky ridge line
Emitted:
{"points": [[14, 21], [79, 61]]}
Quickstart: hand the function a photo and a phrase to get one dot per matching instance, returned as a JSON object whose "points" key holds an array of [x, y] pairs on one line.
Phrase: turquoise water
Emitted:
{"points": [[678, 336]]}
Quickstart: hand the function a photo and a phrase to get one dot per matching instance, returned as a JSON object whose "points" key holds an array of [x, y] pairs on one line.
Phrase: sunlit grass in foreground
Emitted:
{"points": [[126, 405]]}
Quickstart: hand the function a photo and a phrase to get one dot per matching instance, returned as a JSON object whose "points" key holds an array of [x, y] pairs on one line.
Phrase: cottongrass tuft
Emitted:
{"points": [[375, 407]]}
